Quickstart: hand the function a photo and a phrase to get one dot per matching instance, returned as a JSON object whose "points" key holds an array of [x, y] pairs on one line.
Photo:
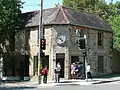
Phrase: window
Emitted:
{"points": [[100, 39], [74, 59], [27, 37], [12, 41], [100, 64]]}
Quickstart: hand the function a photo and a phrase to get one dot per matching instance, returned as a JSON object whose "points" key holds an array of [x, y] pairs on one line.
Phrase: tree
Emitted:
{"points": [[107, 11], [114, 21], [99, 7], [9, 21]]}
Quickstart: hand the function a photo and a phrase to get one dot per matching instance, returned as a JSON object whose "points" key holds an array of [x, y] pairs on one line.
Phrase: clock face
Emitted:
{"points": [[61, 39]]}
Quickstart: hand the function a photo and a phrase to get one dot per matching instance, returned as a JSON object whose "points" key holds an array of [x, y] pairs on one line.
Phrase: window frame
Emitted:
{"points": [[100, 38]]}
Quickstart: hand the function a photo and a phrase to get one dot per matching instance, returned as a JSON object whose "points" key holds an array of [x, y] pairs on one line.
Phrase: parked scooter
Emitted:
{"points": [[79, 71]]}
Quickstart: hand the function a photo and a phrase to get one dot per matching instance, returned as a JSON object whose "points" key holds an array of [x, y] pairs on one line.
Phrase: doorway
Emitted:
{"points": [[61, 59], [44, 61], [100, 64]]}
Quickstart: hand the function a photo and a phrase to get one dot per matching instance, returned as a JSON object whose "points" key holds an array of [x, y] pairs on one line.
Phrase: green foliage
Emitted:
{"points": [[108, 12], [9, 19], [92, 6], [114, 21]]}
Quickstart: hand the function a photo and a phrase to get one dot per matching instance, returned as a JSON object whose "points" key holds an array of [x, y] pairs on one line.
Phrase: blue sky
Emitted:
{"points": [[32, 5]]}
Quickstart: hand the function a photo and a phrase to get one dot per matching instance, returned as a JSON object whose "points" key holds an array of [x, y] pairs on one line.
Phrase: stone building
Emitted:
{"points": [[60, 27]]}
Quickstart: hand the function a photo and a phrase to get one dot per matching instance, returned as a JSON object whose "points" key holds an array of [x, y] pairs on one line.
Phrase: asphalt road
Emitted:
{"points": [[103, 86]]}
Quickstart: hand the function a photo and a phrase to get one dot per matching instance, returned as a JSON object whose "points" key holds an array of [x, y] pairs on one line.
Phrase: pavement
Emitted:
{"points": [[62, 82], [82, 82]]}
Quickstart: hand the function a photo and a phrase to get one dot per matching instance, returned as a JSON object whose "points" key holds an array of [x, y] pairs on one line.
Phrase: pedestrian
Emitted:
{"points": [[57, 72], [44, 73], [89, 72], [73, 70]]}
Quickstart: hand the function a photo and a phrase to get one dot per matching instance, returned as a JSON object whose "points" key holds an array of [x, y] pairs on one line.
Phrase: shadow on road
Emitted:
{"points": [[68, 81], [67, 84]]}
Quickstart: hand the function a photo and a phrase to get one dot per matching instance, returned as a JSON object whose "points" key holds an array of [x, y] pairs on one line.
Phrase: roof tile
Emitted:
{"points": [[63, 15]]}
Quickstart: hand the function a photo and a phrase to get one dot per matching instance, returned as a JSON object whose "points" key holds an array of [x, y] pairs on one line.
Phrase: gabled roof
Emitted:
{"points": [[63, 15]]}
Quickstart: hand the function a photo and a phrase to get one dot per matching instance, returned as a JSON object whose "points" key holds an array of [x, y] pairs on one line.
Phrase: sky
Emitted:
{"points": [[32, 5]]}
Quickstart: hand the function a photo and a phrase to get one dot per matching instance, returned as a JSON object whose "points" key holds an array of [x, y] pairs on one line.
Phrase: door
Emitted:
{"points": [[22, 70], [100, 64], [61, 58]]}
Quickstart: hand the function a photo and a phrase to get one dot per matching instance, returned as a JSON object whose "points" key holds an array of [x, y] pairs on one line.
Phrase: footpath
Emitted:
{"points": [[82, 82], [100, 80]]}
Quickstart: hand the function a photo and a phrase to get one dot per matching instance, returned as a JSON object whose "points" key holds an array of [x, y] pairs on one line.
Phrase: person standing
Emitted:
{"points": [[57, 72], [89, 72], [73, 70], [44, 73]]}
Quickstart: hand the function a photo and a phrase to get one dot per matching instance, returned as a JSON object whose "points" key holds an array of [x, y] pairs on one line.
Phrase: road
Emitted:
{"points": [[103, 86]]}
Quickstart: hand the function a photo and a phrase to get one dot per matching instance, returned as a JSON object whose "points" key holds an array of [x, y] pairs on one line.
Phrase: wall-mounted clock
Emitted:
{"points": [[61, 39]]}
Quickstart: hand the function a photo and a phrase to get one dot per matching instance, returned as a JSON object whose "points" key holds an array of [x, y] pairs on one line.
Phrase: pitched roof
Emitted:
{"points": [[63, 15]]}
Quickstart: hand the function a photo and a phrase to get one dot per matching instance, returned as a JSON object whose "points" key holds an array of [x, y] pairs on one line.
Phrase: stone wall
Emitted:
{"points": [[70, 48], [116, 61], [93, 49], [55, 48]]}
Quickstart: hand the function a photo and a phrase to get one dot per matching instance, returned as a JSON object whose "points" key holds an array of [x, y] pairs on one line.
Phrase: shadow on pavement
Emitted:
{"points": [[101, 82], [12, 81], [15, 88], [67, 81], [108, 75]]}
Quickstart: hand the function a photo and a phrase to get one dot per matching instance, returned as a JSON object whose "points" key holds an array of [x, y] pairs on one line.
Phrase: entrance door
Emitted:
{"points": [[22, 70], [60, 59], [100, 64]]}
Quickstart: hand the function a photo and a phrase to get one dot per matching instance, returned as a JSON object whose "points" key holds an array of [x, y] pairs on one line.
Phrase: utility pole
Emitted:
{"points": [[82, 44], [85, 61], [1, 68], [40, 35]]}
